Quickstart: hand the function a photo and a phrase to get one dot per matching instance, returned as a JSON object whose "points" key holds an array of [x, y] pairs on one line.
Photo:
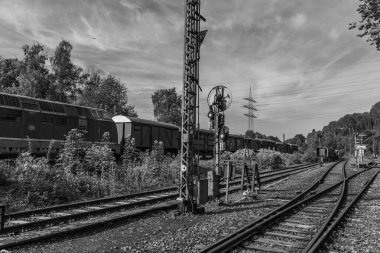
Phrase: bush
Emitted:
{"points": [[268, 159], [6, 171], [309, 156]]}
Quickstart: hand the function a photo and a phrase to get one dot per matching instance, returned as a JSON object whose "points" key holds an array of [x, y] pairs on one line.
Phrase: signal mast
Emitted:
{"points": [[193, 40]]}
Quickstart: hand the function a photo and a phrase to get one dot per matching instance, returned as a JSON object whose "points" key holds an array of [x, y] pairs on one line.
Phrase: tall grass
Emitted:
{"points": [[85, 172]]}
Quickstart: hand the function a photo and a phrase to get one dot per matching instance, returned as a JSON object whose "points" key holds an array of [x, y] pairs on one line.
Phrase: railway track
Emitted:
{"points": [[45, 223], [303, 223]]}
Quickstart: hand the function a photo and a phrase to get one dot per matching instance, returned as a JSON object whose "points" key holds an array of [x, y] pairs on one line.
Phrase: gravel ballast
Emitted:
{"points": [[361, 230], [166, 232]]}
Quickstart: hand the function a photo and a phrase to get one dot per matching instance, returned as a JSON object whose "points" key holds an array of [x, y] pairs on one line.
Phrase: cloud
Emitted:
{"points": [[298, 20], [334, 34], [296, 55]]}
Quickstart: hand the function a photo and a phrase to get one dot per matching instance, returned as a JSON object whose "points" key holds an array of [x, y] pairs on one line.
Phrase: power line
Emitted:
{"points": [[329, 89], [292, 74]]}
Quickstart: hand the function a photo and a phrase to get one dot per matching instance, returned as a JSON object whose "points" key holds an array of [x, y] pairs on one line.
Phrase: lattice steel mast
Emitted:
{"points": [[251, 108], [193, 40]]}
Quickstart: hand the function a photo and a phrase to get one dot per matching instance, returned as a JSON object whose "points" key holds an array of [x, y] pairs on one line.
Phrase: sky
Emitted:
{"points": [[303, 64]]}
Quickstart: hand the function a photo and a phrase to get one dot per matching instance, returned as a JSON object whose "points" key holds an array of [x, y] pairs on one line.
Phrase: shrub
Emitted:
{"points": [[309, 156], [6, 171], [268, 159], [73, 152]]}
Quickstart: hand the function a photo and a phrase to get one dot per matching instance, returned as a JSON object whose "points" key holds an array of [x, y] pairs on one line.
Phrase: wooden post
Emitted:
{"points": [[233, 172], [2, 218], [253, 178], [247, 175], [242, 177], [228, 181], [256, 177]]}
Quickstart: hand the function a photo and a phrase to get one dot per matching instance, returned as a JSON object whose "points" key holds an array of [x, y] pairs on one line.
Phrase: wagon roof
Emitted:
{"points": [[125, 119]]}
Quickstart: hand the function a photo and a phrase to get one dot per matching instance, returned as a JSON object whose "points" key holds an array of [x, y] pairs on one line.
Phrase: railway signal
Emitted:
{"points": [[219, 99]]}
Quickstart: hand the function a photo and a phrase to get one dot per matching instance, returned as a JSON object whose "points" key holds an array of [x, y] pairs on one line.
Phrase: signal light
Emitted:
{"points": [[211, 114]]}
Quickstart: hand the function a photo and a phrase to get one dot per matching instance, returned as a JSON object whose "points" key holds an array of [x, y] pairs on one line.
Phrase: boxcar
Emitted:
{"points": [[293, 148], [145, 132], [268, 144], [205, 145]]}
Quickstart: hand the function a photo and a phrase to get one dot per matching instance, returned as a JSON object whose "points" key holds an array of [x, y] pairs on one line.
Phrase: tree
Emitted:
{"points": [[167, 106], [375, 114], [89, 94], [33, 77], [250, 134], [273, 138], [112, 96], [298, 139], [65, 76], [9, 71], [369, 25]]}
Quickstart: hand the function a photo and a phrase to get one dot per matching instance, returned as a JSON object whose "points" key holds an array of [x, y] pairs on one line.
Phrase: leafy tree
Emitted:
{"points": [[260, 136], [167, 106], [112, 96], [298, 139], [65, 75], [9, 71], [375, 114], [250, 134], [33, 78], [273, 138], [94, 78], [369, 25]]}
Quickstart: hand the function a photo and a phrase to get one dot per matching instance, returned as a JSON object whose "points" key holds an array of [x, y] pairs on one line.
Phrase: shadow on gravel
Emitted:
{"points": [[234, 209]]}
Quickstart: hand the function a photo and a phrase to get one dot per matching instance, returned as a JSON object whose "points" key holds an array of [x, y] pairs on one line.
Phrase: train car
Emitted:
{"points": [[25, 119], [293, 148], [268, 144], [327, 154], [145, 132], [235, 142], [204, 143], [280, 147], [251, 143]]}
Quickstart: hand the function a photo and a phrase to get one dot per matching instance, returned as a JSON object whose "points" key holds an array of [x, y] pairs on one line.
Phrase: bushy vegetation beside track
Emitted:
{"points": [[83, 172], [266, 158]]}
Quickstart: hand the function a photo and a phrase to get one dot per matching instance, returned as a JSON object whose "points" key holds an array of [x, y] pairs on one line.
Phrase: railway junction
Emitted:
{"points": [[299, 212], [243, 204]]}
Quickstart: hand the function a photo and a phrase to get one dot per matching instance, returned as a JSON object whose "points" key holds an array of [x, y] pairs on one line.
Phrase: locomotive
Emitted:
{"points": [[25, 119]]}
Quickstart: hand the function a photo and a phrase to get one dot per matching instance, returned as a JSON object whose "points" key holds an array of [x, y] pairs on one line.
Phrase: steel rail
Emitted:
{"points": [[332, 213], [87, 227], [223, 245], [317, 244], [82, 215], [85, 203], [228, 243]]}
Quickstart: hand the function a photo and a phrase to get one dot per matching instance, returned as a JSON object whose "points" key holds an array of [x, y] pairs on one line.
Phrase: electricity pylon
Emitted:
{"points": [[251, 108]]}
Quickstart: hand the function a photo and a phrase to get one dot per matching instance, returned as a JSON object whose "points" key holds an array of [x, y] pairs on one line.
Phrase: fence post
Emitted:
{"points": [[242, 177], [228, 180], [2, 216], [233, 171], [247, 174]]}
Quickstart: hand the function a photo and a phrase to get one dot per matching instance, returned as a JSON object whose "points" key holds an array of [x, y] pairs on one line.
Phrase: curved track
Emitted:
{"points": [[302, 224]]}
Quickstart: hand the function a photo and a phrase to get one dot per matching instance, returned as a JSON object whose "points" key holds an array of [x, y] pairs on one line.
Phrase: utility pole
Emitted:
{"points": [[193, 40]]}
